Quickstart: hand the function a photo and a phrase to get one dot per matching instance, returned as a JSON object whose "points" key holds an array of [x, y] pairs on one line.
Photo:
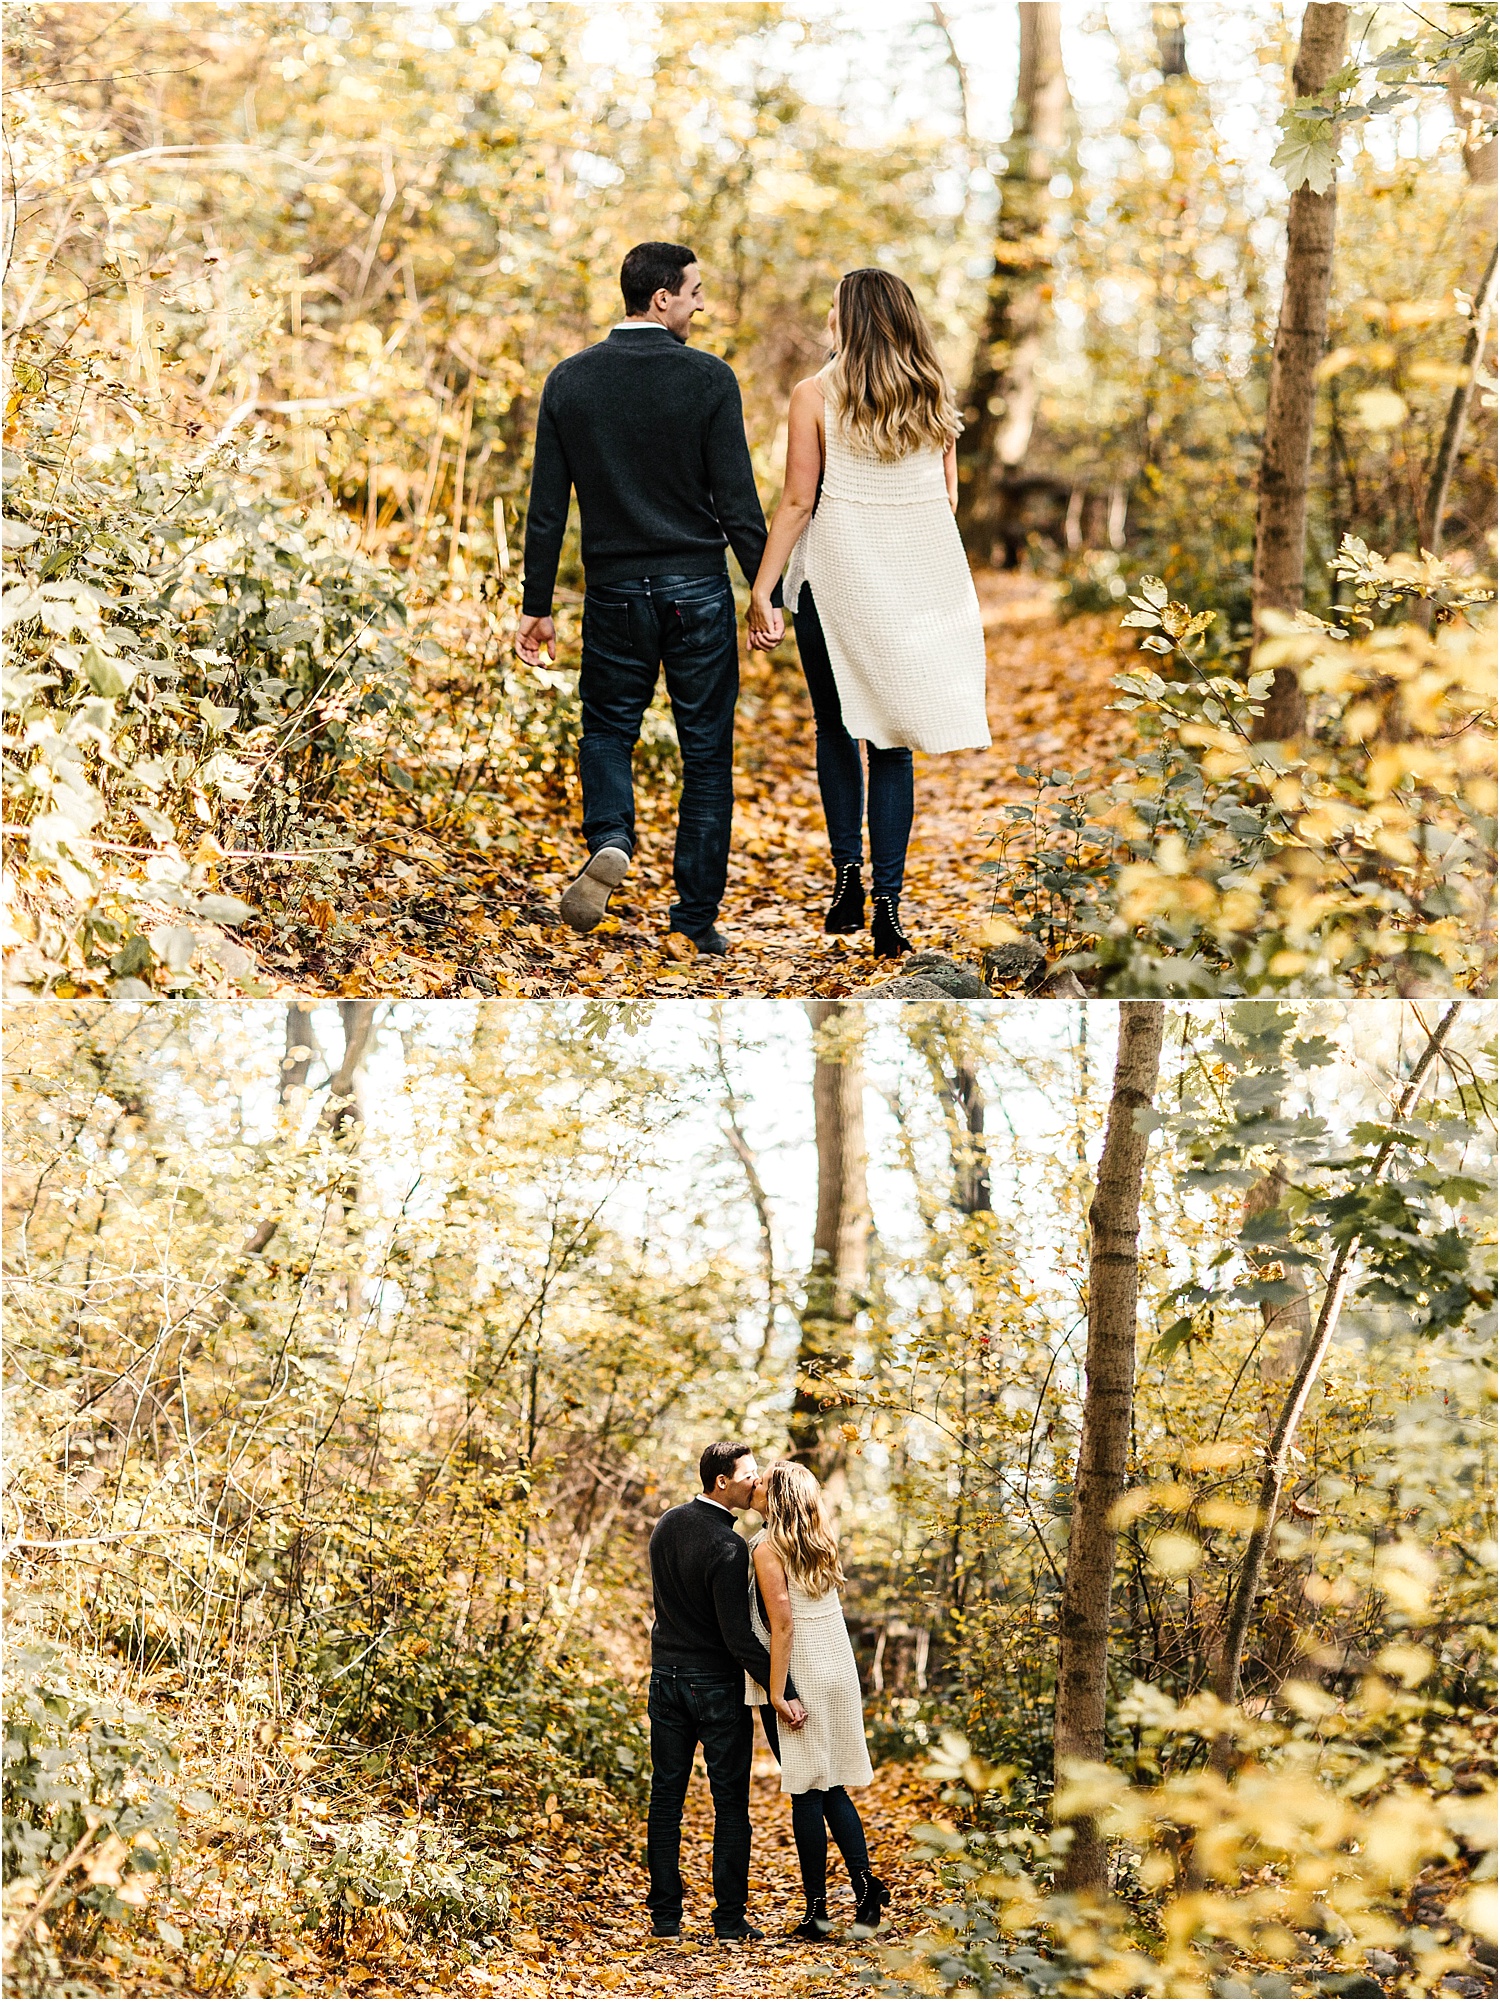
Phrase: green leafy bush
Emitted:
{"points": [[189, 664], [354, 1882], [1281, 1881], [505, 1708], [1362, 856], [88, 1793]]}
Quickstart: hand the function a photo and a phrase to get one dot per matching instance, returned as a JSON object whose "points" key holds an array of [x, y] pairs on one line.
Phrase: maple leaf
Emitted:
{"points": [[1308, 155]]}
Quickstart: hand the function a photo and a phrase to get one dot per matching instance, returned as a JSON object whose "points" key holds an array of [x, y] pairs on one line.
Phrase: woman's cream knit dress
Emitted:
{"points": [[829, 1750], [895, 598]]}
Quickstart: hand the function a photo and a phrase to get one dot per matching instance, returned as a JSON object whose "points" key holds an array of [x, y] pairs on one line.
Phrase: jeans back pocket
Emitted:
{"points": [[607, 629], [702, 622]]}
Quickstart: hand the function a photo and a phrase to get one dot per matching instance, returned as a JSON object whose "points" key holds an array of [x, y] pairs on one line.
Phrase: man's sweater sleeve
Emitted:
{"points": [[731, 1582], [546, 514], [731, 482]]}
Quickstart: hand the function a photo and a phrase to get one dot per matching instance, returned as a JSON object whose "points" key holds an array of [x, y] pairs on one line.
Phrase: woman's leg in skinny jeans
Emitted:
{"points": [[840, 777], [811, 1837], [890, 818], [848, 1830]]}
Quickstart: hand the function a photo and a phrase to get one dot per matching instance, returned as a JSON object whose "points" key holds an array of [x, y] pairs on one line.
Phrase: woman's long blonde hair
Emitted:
{"points": [[799, 1531], [887, 387]]}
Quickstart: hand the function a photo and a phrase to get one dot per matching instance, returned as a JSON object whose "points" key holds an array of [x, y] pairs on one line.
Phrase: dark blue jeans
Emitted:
{"points": [[841, 777], [814, 1816], [687, 626], [687, 1709]]}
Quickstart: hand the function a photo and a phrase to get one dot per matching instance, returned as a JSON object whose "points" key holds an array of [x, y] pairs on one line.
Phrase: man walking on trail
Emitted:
{"points": [[650, 434], [702, 1646]]}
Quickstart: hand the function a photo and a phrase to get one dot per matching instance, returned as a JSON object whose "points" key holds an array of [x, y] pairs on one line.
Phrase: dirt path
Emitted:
{"points": [[438, 915], [1048, 696], [584, 1930]]}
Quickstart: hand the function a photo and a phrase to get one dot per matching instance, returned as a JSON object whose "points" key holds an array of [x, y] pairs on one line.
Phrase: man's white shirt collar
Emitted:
{"points": [[714, 1504], [634, 326]]}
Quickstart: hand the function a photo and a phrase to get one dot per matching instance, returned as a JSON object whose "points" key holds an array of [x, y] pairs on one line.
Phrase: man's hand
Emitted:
{"points": [[533, 637], [767, 625], [792, 1714]]}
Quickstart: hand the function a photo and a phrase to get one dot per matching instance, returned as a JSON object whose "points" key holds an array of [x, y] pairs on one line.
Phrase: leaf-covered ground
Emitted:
{"points": [[431, 910], [578, 1923], [586, 1930]]}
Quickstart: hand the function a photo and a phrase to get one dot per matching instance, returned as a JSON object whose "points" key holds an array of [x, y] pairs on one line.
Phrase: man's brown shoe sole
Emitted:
{"points": [[586, 898]]}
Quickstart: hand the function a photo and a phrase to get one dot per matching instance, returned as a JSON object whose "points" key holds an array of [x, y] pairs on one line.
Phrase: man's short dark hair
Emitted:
{"points": [[651, 268], [721, 1457]]}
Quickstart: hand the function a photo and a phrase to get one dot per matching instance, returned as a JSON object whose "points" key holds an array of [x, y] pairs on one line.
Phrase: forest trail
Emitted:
{"points": [[1048, 695], [440, 917], [582, 1928]]}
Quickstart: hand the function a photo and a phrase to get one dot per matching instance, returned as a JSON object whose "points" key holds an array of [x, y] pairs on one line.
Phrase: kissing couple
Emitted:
{"points": [[650, 435], [754, 1625]]}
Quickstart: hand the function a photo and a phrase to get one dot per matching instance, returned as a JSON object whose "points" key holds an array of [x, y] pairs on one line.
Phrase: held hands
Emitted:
{"points": [[535, 636], [767, 624], [792, 1714]]}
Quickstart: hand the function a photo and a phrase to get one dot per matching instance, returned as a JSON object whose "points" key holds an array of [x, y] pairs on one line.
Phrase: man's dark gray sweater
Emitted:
{"points": [[700, 1579], [650, 433]]}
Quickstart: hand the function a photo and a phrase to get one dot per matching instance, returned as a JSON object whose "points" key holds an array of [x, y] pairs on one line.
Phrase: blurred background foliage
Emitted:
{"points": [[1167, 286]]}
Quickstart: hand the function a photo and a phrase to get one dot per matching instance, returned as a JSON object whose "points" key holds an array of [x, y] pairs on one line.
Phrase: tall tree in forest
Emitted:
{"points": [[301, 1047], [841, 1237], [1435, 509], [1000, 403], [952, 1046], [949, 1048], [1474, 112], [1170, 30], [358, 1019], [1285, 1322], [1114, 1283], [1352, 1227], [1301, 335], [744, 1153]]}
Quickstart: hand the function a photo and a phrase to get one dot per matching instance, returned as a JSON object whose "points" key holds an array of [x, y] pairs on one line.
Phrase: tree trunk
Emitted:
{"points": [[1285, 1325], [1170, 31], [1458, 409], [1474, 115], [960, 71], [1301, 335], [1000, 404], [1279, 1450], [1114, 1282], [841, 1239], [744, 1153], [948, 1048], [971, 1161], [301, 1047], [358, 1018], [1286, 1328]]}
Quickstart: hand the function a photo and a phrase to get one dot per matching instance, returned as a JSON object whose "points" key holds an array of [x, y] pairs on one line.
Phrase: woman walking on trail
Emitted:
{"points": [[887, 619], [795, 1576]]}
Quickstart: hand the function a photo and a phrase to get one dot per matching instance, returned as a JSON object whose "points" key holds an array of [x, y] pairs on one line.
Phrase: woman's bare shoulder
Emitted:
{"points": [[765, 1558], [809, 391]]}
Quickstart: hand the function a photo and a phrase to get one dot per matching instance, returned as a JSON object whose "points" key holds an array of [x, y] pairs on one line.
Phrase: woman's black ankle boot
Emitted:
{"points": [[817, 1924], [872, 1896], [847, 910], [888, 939]]}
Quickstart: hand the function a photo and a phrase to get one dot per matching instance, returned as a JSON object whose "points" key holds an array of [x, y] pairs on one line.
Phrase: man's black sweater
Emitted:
{"points": [[651, 434], [700, 1578]]}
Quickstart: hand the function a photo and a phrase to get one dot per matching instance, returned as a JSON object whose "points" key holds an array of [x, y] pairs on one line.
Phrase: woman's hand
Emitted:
{"points": [[767, 625], [792, 1714]]}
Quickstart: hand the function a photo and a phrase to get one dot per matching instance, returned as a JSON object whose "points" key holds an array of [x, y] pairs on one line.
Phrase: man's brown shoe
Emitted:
{"points": [[586, 898]]}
